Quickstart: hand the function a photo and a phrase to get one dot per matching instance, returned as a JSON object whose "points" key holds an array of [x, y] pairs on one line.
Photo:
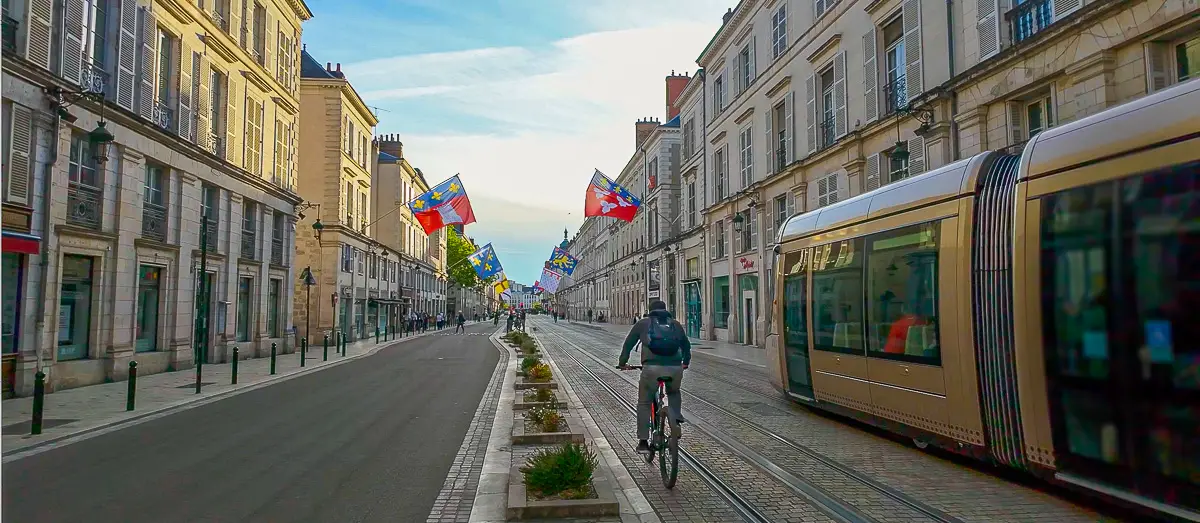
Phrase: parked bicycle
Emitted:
{"points": [[663, 441]]}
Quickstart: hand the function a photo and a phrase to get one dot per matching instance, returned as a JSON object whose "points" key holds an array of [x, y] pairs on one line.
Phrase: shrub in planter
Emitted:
{"points": [[540, 373], [565, 471], [529, 346], [551, 421], [529, 361], [539, 395]]}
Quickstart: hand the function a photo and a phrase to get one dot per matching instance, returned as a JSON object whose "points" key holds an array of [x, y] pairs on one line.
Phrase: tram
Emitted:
{"points": [[1039, 311]]}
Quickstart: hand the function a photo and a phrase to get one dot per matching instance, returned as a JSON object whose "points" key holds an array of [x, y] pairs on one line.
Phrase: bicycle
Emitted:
{"points": [[666, 446]]}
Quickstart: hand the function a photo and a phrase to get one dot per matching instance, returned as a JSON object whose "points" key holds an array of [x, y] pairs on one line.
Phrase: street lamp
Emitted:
{"points": [[61, 100]]}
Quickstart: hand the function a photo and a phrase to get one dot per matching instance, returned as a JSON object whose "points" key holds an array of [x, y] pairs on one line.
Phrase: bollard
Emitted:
{"points": [[131, 393], [272, 358], [233, 367], [376, 335], [39, 402], [325, 353], [303, 356]]}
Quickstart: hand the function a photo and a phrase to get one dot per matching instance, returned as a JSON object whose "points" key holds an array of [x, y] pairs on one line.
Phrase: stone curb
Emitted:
{"points": [[491, 497], [90, 432], [522, 384], [520, 507], [571, 434]]}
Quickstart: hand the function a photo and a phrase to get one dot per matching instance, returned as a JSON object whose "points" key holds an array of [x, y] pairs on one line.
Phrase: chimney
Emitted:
{"points": [[339, 67], [392, 145], [328, 66], [728, 15], [643, 129], [675, 85]]}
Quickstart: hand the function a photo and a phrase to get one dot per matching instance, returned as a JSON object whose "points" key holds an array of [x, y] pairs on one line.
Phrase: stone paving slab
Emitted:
{"points": [[95, 409]]}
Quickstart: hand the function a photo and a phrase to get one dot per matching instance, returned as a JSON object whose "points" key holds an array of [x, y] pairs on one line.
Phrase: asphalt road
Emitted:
{"points": [[369, 440]]}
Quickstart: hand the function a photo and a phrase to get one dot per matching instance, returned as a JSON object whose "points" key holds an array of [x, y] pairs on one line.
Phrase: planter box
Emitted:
{"points": [[521, 507], [523, 384], [521, 404], [520, 437]]}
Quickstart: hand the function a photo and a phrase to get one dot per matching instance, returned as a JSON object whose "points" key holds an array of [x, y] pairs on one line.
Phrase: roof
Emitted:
{"points": [[674, 122], [387, 158], [311, 68]]}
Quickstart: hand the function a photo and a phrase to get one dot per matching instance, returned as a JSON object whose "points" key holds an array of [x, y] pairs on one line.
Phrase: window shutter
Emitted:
{"points": [[873, 177], [753, 229], [790, 126], [20, 148], [725, 168], [232, 151], [269, 43], [737, 74], [1158, 60], [72, 52], [203, 75], [870, 76], [913, 73], [839, 95], [235, 22], [916, 156], [244, 31], [183, 118], [822, 191], [753, 52], [791, 204], [1062, 8], [37, 37], [769, 216], [769, 145], [127, 51], [1016, 124], [147, 70], [987, 25], [810, 94], [724, 89]]}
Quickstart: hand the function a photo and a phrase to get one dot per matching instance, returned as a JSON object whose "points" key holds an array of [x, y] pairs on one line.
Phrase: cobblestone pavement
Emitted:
{"points": [[454, 502], [692, 499], [735, 398], [89, 409]]}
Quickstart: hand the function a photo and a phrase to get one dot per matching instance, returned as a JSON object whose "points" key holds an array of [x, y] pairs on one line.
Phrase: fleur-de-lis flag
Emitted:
{"points": [[563, 262], [445, 204], [485, 262]]}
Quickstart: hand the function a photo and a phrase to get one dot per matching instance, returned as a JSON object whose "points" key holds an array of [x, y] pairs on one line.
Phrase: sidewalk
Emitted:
{"points": [[719, 349], [90, 409]]}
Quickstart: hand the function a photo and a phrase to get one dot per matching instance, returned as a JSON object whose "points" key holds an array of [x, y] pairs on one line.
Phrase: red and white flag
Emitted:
{"points": [[606, 198]]}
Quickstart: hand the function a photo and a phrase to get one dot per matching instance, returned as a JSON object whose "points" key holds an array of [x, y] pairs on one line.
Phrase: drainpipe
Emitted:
{"points": [[47, 179], [954, 147]]}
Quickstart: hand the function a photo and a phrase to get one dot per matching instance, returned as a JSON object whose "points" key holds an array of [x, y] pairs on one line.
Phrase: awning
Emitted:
{"points": [[20, 243]]}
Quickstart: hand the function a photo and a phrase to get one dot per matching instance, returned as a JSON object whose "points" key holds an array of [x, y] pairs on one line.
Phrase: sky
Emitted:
{"points": [[523, 98]]}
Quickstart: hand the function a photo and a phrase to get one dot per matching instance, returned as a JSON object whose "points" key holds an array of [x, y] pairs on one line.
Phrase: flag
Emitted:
{"points": [[502, 285], [446, 204], [549, 281], [563, 262], [606, 198], [484, 262]]}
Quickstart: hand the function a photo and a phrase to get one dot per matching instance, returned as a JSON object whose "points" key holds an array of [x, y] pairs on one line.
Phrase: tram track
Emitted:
{"points": [[827, 499]]}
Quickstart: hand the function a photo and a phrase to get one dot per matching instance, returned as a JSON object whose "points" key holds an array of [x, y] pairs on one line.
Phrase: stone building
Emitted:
{"points": [[125, 123]]}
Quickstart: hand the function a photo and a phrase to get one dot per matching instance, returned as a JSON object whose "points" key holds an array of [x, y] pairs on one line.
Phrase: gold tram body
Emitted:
{"points": [[988, 395]]}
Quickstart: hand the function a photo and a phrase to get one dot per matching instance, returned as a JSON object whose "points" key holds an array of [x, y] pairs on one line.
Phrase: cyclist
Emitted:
{"points": [[667, 352]]}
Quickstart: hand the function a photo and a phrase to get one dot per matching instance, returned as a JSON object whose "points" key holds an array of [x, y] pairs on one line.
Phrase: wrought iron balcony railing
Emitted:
{"points": [[827, 133], [163, 116], [154, 222], [11, 26], [277, 251], [219, 19], [895, 95], [92, 78], [249, 245], [781, 155], [211, 238], [84, 205], [1028, 18]]}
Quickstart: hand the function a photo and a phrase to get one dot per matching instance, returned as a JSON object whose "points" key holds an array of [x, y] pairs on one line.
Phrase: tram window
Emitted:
{"points": [[1161, 217], [1076, 243], [795, 299], [902, 294], [838, 297]]}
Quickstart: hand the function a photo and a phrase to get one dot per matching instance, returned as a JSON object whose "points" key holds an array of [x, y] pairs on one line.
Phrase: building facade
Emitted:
{"points": [[688, 280], [149, 153]]}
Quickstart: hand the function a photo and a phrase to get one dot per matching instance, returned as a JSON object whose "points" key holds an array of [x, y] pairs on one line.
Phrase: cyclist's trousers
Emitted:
{"points": [[648, 389]]}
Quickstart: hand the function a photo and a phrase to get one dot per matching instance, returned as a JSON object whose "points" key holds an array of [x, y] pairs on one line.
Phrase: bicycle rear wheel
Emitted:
{"points": [[668, 462]]}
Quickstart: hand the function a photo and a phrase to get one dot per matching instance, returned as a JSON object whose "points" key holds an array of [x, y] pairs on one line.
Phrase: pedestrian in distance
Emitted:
{"points": [[461, 320]]}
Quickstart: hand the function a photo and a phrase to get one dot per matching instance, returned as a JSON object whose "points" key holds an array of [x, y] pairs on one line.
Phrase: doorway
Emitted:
{"points": [[749, 318], [691, 293]]}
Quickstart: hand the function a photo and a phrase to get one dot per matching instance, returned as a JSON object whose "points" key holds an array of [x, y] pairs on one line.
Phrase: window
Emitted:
{"points": [[689, 137], [362, 209], [691, 204], [718, 95], [287, 60], [166, 77], [1187, 59], [746, 66], [719, 240], [152, 190], [97, 31], [245, 290], [795, 320], [1039, 116], [720, 164], [779, 31], [350, 204], [779, 117], [902, 294], [347, 258], [146, 337], [254, 136], [13, 276], [216, 107], [1029, 17], [824, 5], [827, 190], [780, 212], [350, 137], [82, 163], [897, 168], [721, 302], [75, 307], [260, 34], [838, 296], [274, 329], [895, 94], [747, 156], [360, 258], [826, 123]]}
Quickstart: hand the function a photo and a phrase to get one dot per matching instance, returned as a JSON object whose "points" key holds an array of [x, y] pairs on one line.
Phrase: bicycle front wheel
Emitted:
{"points": [[668, 462]]}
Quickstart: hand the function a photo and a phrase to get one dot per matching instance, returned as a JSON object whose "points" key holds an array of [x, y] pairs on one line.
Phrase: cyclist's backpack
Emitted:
{"points": [[661, 338]]}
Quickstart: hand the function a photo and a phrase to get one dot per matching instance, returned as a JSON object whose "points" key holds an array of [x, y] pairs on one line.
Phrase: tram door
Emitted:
{"points": [[795, 323]]}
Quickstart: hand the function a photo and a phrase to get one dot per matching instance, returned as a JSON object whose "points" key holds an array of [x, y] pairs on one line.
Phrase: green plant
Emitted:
{"points": [[550, 421], [539, 395], [529, 346], [563, 470], [529, 361], [539, 415], [540, 372]]}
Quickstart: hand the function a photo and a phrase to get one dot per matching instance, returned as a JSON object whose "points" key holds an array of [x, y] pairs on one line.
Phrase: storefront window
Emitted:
{"points": [[10, 286], [721, 302], [147, 308], [245, 288], [902, 294], [75, 308], [273, 328], [837, 297]]}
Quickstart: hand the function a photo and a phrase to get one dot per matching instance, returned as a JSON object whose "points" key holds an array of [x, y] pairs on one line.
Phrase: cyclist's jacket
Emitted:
{"points": [[681, 357]]}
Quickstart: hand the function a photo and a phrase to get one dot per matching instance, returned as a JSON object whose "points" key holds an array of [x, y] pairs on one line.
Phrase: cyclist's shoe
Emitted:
{"points": [[643, 446]]}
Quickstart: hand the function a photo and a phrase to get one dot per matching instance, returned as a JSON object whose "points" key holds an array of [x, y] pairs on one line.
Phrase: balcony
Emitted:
{"points": [[162, 116], [84, 205], [210, 240], [826, 133], [214, 144], [277, 251], [895, 95], [1028, 18], [11, 26], [219, 19], [92, 78], [154, 222], [249, 245]]}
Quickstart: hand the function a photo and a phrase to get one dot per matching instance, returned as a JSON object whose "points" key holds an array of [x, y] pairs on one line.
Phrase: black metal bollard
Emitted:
{"points": [[376, 335], [131, 393], [303, 356], [272, 358], [39, 402], [325, 353], [233, 367]]}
